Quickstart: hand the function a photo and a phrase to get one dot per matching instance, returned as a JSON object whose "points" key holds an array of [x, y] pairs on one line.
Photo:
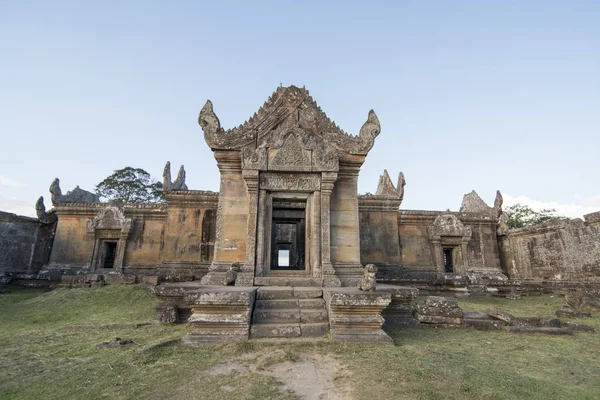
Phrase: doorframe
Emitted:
{"points": [[263, 259]]}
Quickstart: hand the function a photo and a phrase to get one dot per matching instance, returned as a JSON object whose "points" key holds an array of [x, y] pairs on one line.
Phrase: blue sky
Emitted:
{"points": [[471, 94]]}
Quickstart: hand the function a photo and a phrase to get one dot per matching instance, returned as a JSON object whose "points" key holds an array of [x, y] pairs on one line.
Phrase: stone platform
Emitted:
{"points": [[225, 313]]}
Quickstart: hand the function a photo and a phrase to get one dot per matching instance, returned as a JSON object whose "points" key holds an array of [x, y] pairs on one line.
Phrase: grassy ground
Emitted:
{"points": [[48, 351]]}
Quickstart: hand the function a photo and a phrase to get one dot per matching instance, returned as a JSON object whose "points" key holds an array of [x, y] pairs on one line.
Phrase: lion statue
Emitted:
{"points": [[368, 281]]}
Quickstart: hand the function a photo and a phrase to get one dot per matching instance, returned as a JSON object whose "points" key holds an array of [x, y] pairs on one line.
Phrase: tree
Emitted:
{"points": [[130, 186], [520, 215]]}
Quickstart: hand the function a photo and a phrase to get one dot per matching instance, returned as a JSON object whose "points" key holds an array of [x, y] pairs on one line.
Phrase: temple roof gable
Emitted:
{"points": [[288, 109]]}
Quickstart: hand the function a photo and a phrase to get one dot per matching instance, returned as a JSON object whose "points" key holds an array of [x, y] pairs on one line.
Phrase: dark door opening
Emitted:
{"points": [[287, 235], [109, 253], [448, 260]]}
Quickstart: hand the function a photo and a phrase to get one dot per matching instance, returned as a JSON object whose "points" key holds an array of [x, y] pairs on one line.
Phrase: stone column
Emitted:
{"points": [[232, 217], [329, 276], [316, 233], [261, 238], [245, 276], [344, 226], [438, 256]]}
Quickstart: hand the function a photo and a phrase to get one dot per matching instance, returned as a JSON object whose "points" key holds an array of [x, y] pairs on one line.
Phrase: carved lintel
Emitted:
{"points": [[303, 182]]}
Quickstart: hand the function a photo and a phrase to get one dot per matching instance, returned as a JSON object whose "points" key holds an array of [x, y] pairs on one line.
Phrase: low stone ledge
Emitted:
{"points": [[443, 312], [400, 310], [573, 314], [219, 313], [529, 330], [484, 324], [355, 315], [167, 314], [119, 279]]}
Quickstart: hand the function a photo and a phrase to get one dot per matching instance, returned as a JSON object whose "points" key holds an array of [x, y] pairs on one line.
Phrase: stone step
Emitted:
{"points": [[297, 315], [276, 316], [288, 330], [311, 303], [277, 304], [290, 303], [274, 330], [288, 292], [287, 281], [314, 316]]}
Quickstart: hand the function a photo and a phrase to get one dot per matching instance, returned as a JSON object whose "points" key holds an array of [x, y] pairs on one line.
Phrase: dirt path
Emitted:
{"points": [[308, 376]]}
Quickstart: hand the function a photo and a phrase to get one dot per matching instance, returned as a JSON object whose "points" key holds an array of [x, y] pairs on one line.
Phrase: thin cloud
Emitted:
{"points": [[6, 181], [16, 206], [590, 204]]}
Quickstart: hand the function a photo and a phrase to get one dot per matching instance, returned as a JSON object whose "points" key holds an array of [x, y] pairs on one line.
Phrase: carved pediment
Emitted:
{"points": [[289, 109], [448, 225], [291, 156], [109, 218]]}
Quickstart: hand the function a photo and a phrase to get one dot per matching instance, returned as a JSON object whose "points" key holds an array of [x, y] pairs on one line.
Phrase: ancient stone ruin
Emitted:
{"points": [[288, 248]]}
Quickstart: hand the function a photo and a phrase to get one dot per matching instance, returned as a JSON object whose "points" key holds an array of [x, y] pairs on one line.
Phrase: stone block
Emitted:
{"points": [[119, 279], [528, 330], [441, 311], [578, 326], [152, 280], [219, 313], [436, 319], [314, 329], [483, 324], [167, 314], [355, 315], [440, 302]]}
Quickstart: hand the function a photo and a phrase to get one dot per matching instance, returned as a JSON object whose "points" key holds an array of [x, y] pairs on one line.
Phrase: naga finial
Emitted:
{"points": [[498, 203], [372, 127], [43, 216], [208, 120], [167, 177], [401, 184], [178, 184], [55, 191]]}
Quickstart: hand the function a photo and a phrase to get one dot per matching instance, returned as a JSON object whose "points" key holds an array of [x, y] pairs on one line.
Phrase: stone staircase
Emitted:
{"points": [[288, 312]]}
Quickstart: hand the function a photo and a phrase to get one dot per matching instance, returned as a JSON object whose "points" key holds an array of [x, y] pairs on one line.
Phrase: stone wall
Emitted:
{"points": [[415, 251], [173, 241], [378, 224], [559, 250], [25, 243]]}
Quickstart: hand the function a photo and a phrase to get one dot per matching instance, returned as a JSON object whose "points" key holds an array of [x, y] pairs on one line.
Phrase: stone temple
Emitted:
{"points": [[281, 249]]}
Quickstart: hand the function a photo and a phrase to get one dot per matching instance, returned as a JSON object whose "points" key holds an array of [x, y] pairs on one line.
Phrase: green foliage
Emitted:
{"points": [[520, 215], [129, 186]]}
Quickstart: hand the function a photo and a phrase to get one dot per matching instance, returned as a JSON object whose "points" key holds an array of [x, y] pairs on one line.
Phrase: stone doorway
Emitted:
{"points": [[288, 231]]}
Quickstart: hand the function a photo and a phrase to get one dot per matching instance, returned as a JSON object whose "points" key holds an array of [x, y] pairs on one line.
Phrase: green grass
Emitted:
{"points": [[48, 351]]}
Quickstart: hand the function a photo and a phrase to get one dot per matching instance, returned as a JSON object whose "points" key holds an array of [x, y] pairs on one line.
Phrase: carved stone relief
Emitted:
{"points": [[290, 157], [290, 182]]}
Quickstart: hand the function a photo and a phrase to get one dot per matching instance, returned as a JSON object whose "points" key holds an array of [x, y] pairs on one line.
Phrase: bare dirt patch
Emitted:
{"points": [[307, 376]]}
